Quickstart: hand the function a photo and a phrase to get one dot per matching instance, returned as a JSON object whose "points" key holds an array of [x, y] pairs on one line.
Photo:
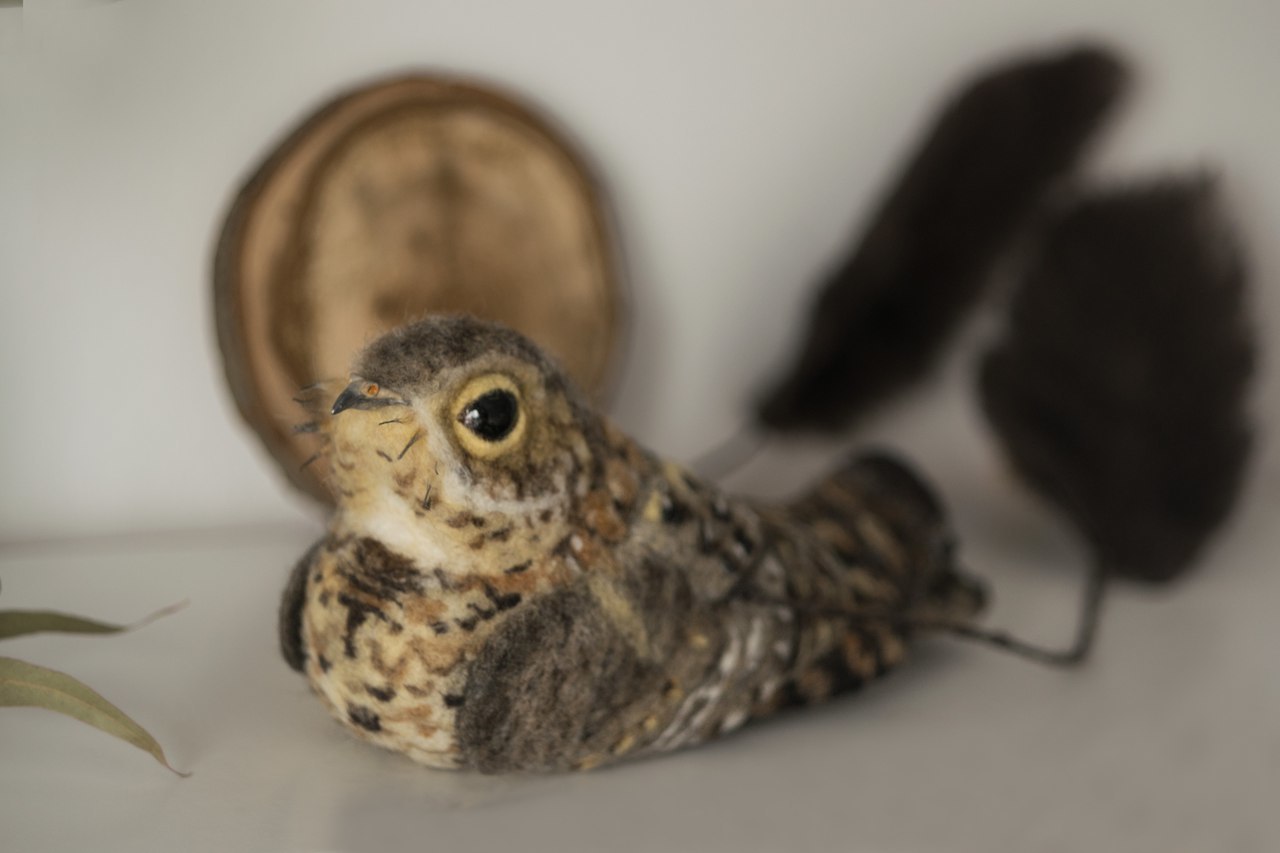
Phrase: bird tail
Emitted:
{"points": [[898, 524], [876, 511]]}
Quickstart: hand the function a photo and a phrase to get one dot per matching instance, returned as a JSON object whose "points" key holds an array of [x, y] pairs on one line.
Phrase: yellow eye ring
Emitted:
{"points": [[488, 416]]}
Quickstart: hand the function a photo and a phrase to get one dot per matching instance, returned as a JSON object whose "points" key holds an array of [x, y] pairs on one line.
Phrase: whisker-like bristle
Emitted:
{"points": [[417, 435]]}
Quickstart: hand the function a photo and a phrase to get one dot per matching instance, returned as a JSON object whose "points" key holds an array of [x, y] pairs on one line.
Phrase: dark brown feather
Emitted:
{"points": [[1119, 388], [290, 616], [996, 149]]}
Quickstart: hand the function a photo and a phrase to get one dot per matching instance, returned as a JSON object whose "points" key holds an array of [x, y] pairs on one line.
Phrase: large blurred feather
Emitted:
{"points": [[995, 151], [1119, 388]]}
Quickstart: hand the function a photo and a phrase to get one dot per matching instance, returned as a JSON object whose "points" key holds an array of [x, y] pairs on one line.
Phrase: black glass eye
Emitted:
{"points": [[491, 416]]}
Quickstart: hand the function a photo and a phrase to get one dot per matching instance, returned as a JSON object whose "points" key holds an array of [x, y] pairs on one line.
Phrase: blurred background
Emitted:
{"points": [[738, 147]]}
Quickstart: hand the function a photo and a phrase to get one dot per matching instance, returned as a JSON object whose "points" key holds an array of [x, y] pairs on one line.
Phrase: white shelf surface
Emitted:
{"points": [[1167, 740]]}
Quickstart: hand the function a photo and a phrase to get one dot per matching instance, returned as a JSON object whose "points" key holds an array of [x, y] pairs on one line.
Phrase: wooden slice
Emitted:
{"points": [[408, 197]]}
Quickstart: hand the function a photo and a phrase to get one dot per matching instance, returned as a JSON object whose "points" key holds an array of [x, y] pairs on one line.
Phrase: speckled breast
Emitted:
{"points": [[389, 642]]}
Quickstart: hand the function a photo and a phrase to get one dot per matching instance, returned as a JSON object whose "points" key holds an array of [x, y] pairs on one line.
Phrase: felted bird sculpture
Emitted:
{"points": [[510, 583]]}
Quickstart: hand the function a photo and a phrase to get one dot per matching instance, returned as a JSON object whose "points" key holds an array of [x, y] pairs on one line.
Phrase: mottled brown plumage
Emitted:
{"points": [[511, 583]]}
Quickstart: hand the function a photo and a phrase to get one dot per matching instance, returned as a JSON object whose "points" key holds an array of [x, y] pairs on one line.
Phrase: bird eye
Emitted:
{"points": [[372, 390], [488, 417], [491, 416]]}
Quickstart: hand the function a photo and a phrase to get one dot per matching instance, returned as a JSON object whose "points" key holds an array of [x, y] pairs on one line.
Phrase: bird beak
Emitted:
{"points": [[347, 399], [354, 397]]}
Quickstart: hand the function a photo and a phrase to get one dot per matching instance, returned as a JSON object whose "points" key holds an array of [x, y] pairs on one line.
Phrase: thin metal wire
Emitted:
{"points": [[731, 454]]}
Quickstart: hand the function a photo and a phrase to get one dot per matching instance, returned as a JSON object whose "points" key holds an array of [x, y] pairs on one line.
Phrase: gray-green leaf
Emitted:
{"points": [[24, 684], [16, 623]]}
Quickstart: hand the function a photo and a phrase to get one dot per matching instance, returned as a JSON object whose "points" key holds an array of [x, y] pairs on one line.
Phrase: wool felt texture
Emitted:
{"points": [[560, 597], [1119, 390], [994, 153]]}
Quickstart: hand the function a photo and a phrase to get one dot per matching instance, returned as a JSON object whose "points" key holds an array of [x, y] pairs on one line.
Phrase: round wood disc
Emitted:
{"points": [[412, 196]]}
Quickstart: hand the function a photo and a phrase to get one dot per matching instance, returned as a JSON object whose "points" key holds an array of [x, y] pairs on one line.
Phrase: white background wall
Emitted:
{"points": [[739, 143]]}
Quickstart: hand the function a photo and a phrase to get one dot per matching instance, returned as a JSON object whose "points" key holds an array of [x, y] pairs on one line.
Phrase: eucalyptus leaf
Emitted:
{"points": [[16, 623], [25, 684]]}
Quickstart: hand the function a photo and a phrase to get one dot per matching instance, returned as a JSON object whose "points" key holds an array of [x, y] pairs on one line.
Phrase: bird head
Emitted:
{"points": [[458, 428]]}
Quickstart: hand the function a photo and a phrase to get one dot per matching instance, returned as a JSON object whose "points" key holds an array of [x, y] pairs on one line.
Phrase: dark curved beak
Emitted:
{"points": [[349, 398], [353, 397]]}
